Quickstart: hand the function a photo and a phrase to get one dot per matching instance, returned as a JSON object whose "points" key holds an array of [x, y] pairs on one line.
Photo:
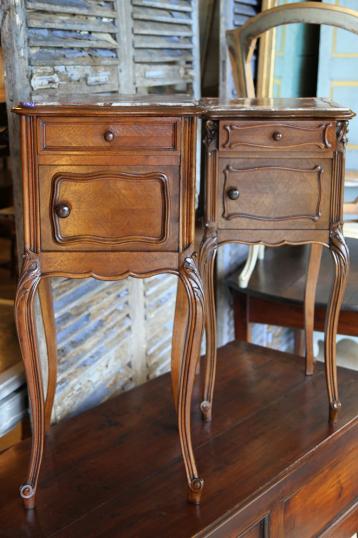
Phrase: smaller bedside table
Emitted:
{"points": [[274, 175]]}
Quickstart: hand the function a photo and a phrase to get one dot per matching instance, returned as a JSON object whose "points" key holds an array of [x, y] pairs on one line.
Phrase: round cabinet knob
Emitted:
{"points": [[277, 136], [108, 136], [233, 193], [63, 210]]}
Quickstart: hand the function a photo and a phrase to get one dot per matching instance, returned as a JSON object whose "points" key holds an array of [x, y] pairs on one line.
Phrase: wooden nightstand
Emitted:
{"points": [[274, 175], [109, 193]]}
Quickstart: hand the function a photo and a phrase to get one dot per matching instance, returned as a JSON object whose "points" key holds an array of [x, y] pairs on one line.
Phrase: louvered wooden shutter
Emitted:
{"points": [[110, 335], [165, 40]]}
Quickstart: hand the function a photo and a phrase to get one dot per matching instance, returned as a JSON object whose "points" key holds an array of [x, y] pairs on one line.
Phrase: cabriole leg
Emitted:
{"points": [[48, 318], [314, 264], [340, 255], [207, 257], [190, 278], [178, 340], [25, 323]]}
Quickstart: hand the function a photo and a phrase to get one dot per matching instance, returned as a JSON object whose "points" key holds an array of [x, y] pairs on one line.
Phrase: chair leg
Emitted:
{"points": [[48, 317], [314, 264], [249, 266]]}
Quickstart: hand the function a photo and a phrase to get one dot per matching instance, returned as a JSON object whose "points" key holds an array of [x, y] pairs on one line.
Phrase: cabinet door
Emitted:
{"points": [[274, 193], [116, 208]]}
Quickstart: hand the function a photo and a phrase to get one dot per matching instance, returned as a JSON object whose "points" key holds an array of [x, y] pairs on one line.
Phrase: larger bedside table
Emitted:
{"points": [[109, 193]]}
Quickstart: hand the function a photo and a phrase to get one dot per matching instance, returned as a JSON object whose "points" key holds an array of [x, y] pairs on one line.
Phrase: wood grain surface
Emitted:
{"points": [[269, 455]]}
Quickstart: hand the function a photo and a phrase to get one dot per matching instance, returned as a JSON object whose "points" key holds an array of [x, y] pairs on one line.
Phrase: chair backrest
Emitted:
{"points": [[242, 41]]}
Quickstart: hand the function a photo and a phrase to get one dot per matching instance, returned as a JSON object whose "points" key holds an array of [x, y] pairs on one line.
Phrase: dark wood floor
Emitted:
{"points": [[116, 470]]}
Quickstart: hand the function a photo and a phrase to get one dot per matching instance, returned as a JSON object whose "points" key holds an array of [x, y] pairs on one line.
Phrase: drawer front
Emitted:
{"points": [[113, 135], [276, 135], [326, 495], [112, 208], [274, 193]]}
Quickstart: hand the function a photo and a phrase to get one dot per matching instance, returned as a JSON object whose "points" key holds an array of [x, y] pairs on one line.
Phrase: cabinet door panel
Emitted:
{"points": [[274, 193], [116, 208]]}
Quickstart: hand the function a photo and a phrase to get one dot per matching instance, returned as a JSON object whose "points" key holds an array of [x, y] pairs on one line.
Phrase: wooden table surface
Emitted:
{"points": [[281, 276], [116, 470]]}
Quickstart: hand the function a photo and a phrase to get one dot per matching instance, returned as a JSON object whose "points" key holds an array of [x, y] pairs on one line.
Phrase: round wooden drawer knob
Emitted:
{"points": [[277, 136], [63, 210], [233, 194], [109, 136]]}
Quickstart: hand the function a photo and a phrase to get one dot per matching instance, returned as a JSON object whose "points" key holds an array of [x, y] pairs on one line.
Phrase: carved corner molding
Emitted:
{"points": [[191, 273], [211, 135], [30, 275], [342, 132], [338, 244]]}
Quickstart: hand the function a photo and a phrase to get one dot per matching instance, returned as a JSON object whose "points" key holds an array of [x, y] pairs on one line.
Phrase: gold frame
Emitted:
{"points": [[266, 64]]}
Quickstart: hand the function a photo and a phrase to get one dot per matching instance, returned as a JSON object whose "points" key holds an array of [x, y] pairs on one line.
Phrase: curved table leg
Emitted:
{"points": [[314, 263], [207, 257], [340, 255], [190, 278], [48, 317], [178, 339], [25, 323]]}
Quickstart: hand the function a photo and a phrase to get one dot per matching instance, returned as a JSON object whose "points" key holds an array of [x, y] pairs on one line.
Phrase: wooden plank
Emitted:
{"points": [[60, 8], [58, 56], [125, 44], [66, 22], [67, 43], [157, 29], [162, 4], [161, 42], [162, 56], [156, 16]]}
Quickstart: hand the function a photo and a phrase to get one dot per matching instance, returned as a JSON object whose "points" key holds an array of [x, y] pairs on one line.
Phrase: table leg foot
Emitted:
{"points": [[27, 493], [195, 490], [334, 408], [206, 412]]}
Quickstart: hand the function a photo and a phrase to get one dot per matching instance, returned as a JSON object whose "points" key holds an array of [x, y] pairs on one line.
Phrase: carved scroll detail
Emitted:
{"points": [[191, 271], [342, 132], [211, 136], [30, 273]]}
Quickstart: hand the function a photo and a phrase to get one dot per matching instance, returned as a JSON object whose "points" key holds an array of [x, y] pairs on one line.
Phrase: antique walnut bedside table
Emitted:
{"points": [[274, 176], [109, 193]]}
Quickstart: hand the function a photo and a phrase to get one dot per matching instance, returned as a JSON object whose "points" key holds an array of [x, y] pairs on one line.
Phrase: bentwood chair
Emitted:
{"points": [[241, 43]]}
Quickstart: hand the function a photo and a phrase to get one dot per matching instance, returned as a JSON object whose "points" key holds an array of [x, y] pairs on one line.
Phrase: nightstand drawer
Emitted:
{"points": [[274, 193], [112, 135], [112, 208], [276, 135]]}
